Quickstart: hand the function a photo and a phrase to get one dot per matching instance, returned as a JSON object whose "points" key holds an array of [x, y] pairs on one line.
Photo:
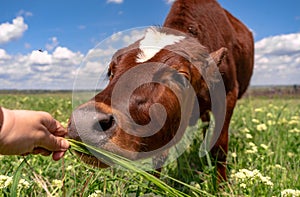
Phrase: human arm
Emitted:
{"points": [[35, 132]]}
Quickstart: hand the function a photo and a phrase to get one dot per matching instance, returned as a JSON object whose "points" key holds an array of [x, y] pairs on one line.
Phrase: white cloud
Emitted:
{"points": [[67, 57], [4, 55], [63, 53], [12, 31], [39, 70], [277, 60], [169, 1], [40, 58], [54, 43], [115, 1], [100, 53], [24, 13], [133, 36], [281, 44], [81, 27]]}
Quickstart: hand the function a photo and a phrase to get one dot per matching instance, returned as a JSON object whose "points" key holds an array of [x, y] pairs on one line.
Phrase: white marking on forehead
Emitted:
{"points": [[153, 42]]}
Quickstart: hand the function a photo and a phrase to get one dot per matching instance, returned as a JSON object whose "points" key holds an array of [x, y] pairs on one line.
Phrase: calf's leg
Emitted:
{"points": [[219, 149]]}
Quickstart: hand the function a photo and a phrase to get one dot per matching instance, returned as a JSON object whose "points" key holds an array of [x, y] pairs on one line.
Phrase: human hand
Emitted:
{"points": [[32, 132]]}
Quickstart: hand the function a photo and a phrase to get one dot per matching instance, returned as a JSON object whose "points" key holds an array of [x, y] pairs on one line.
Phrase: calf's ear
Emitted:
{"points": [[219, 55]]}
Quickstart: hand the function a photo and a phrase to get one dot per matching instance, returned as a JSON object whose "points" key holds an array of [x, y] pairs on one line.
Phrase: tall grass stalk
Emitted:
{"points": [[128, 164], [16, 178]]}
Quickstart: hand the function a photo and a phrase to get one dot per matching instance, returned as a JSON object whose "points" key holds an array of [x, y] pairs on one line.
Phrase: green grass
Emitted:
{"points": [[263, 158]]}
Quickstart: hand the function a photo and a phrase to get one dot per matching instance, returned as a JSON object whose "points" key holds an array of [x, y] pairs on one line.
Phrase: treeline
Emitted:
{"points": [[274, 91], [269, 91]]}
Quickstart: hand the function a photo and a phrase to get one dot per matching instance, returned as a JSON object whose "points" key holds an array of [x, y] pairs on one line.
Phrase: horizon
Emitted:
{"points": [[98, 90]]}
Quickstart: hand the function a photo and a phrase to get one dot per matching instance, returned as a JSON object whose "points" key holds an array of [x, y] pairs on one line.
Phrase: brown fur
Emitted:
{"points": [[215, 27]]}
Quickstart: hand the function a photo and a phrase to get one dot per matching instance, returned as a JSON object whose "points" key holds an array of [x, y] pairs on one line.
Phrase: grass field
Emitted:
{"points": [[263, 160]]}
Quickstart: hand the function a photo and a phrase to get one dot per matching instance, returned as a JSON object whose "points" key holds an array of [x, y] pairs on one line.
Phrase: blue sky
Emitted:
{"points": [[67, 30]]}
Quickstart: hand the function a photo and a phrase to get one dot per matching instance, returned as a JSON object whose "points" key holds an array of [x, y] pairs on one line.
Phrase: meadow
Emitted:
{"points": [[263, 158]]}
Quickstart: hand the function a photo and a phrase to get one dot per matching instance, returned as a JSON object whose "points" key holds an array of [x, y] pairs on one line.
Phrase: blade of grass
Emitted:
{"points": [[126, 163], [198, 191], [37, 178], [16, 179]]}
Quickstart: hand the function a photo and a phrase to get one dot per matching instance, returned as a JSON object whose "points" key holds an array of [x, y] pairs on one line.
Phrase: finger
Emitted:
{"points": [[41, 151], [52, 125], [53, 143], [60, 130], [57, 155], [48, 121]]}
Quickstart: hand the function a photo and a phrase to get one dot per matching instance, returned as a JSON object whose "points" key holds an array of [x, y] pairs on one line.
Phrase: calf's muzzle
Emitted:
{"points": [[90, 125]]}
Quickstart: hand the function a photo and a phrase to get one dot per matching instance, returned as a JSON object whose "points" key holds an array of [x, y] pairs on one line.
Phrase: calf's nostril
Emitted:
{"points": [[104, 123]]}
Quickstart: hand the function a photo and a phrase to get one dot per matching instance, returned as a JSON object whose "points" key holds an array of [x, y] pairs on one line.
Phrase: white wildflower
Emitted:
{"points": [[293, 122], [290, 193], [258, 110], [5, 181], [277, 166], [248, 177], [294, 130], [23, 184], [261, 127], [97, 193], [69, 168], [244, 120], [290, 154], [266, 180], [57, 183], [243, 185], [195, 184], [264, 146], [252, 144], [253, 148], [248, 136], [250, 151], [245, 130], [271, 122], [295, 118], [270, 115], [234, 155], [283, 121]]}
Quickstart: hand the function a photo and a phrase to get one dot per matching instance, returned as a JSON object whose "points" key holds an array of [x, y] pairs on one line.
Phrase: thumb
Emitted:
{"points": [[52, 125]]}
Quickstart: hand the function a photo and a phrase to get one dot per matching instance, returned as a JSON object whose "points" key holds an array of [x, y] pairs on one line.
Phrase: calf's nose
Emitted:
{"points": [[90, 124]]}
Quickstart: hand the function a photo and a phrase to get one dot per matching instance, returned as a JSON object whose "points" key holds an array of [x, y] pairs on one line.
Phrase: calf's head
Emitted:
{"points": [[155, 86]]}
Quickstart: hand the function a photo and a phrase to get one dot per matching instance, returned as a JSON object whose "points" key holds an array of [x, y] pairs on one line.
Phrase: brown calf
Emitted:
{"points": [[166, 81]]}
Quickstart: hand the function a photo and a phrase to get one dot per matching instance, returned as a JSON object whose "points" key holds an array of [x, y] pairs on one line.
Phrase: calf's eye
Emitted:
{"points": [[181, 79], [110, 74]]}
